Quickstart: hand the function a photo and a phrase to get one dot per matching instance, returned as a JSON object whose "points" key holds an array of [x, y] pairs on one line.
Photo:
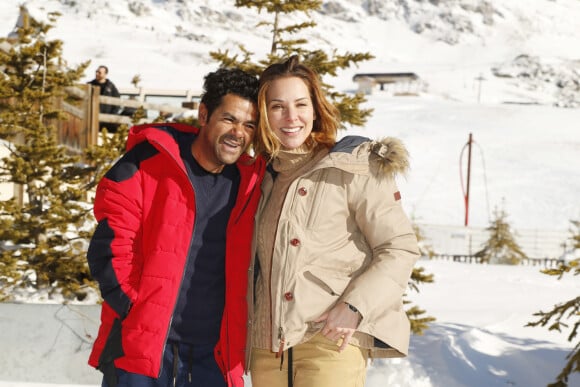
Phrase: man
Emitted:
{"points": [[109, 89], [172, 245]]}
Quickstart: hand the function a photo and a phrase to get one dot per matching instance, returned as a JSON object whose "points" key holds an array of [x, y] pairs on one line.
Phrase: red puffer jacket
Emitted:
{"points": [[145, 208]]}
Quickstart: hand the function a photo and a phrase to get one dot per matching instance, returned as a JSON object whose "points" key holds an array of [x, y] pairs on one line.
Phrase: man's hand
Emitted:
{"points": [[340, 323]]}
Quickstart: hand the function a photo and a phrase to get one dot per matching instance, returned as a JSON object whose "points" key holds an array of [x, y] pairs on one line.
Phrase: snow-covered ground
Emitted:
{"points": [[478, 340], [525, 160]]}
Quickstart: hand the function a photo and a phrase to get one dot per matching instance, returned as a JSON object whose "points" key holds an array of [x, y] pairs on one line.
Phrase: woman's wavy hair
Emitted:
{"points": [[327, 116]]}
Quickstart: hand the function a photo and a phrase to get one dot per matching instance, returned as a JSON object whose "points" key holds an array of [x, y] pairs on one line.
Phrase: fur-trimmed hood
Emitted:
{"points": [[387, 157]]}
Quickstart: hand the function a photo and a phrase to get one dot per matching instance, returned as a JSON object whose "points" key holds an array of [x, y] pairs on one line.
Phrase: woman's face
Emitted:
{"points": [[290, 111]]}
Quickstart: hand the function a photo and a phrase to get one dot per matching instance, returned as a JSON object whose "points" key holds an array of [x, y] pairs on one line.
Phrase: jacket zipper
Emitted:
{"points": [[281, 338], [249, 196], [186, 257], [282, 341], [235, 221]]}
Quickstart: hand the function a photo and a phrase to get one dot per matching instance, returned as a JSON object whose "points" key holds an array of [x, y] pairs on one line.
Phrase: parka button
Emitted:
{"points": [[295, 242], [288, 296], [302, 191]]}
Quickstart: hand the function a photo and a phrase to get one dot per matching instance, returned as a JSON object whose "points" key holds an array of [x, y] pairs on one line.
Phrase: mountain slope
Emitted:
{"points": [[428, 37]]}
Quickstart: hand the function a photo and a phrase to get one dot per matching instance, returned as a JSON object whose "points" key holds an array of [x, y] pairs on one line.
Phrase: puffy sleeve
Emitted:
{"points": [[376, 203], [112, 254]]}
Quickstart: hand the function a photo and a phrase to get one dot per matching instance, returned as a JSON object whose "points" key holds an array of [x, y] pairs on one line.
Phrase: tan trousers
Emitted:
{"points": [[316, 363]]}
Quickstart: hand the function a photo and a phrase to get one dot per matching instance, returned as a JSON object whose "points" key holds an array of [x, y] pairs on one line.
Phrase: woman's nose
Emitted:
{"points": [[291, 114]]}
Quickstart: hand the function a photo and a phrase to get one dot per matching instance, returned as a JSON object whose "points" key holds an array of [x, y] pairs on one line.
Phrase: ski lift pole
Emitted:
{"points": [[469, 142]]}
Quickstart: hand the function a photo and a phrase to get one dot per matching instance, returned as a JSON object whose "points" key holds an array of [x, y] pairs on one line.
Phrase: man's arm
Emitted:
{"points": [[118, 210]]}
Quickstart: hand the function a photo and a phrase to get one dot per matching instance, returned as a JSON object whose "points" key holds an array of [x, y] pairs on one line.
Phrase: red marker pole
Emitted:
{"points": [[468, 178]]}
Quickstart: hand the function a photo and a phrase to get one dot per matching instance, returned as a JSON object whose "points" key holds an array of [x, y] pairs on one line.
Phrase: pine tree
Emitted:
{"points": [[501, 247], [425, 249], [565, 311], [101, 157], [43, 235], [575, 230], [419, 322], [282, 48]]}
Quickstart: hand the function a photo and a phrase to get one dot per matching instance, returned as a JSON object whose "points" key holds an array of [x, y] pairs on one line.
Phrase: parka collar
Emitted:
{"points": [[357, 154]]}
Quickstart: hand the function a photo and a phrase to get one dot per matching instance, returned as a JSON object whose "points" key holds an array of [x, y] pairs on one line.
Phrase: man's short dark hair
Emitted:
{"points": [[228, 81], [105, 68]]}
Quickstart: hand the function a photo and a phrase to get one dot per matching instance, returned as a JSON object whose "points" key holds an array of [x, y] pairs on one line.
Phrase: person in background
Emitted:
{"points": [[335, 249], [172, 245], [107, 88]]}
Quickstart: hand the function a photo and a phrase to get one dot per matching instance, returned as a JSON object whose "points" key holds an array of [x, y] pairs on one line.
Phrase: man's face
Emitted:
{"points": [[226, 134], [101, 75]]}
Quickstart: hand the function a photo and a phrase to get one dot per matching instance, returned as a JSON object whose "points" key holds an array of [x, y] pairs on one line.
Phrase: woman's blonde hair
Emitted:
{"points": [[327, 116]]}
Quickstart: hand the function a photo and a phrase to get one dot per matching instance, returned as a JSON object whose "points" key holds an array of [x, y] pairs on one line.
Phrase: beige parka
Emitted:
{"points": [[342, 237]]}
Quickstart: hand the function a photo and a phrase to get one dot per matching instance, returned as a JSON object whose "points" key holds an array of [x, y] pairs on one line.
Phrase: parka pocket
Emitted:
{"points": [[333, 287]]}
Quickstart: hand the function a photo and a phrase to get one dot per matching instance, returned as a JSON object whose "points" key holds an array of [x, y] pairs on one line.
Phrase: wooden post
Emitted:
{"points": [[92, 115]]}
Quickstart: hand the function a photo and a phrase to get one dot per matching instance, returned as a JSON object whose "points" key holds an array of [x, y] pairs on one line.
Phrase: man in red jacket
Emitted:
{"points": [[172, 245]]}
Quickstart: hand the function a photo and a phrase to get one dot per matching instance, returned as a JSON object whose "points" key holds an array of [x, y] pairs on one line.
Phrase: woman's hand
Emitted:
{"points": [[340, 323]]}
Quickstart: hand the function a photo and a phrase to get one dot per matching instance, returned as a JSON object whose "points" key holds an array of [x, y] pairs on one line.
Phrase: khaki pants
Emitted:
{"points": [[316, 363]]}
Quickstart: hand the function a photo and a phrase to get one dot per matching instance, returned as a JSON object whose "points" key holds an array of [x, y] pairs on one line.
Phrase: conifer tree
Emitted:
{"points": [[501, 247], [285, 43], [559, 317], [100, 157], [425, 249], [419, 322], [42, 233]]}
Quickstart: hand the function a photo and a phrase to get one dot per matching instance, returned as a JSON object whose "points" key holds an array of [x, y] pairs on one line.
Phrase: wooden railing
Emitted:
{"points": [[121, 102], [80, 129], [541, 262], [141, 93]]}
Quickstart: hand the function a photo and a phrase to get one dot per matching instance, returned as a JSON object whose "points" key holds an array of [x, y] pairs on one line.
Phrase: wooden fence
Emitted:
{"points": [[466, 241], [80, 129], [545, 248], [541, 262]]}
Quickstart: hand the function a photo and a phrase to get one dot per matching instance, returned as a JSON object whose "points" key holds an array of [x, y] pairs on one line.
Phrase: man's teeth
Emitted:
{"points": [[231, 143]]}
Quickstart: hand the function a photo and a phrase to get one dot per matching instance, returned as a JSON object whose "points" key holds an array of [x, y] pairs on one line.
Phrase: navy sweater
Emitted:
{"points": [[198, 313]]}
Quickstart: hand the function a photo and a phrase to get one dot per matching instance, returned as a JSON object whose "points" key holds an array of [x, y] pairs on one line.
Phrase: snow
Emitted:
{"points": [[525, 159]]}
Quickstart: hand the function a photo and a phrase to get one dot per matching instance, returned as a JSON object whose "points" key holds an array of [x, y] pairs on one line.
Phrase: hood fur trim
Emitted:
{"points": [[393, 156]]}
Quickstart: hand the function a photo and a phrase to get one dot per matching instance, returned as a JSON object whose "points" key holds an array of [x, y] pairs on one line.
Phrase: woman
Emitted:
{"points": [[335, 249]]}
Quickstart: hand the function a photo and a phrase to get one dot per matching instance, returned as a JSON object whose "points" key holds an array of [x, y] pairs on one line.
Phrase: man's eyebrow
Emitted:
{"points": [[235, 119], [229, 115]]}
